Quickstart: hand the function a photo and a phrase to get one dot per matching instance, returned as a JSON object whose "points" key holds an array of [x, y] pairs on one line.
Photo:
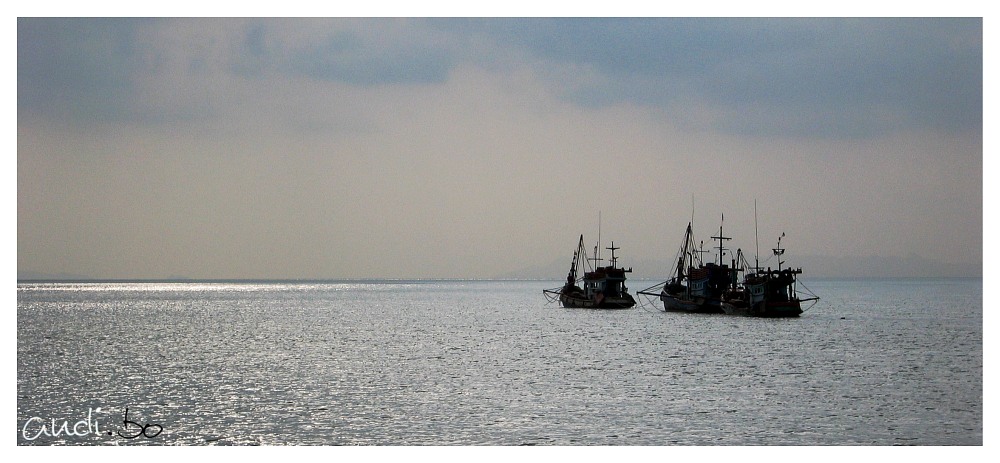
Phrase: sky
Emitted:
{"points": [[472, 148]]}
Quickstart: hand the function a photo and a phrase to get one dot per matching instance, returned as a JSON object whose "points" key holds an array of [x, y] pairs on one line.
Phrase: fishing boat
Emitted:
{"points": [[603, 287], [767, 292], [695, 287]]}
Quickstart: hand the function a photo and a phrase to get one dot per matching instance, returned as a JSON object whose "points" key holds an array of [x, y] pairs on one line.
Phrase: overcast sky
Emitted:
{"points": [[469, 148]]}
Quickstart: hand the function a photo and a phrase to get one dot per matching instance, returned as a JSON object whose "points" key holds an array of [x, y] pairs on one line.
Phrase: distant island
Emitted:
{"points": [[912, 266]]}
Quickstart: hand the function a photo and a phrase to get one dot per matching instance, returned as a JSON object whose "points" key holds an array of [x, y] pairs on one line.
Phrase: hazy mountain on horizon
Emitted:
{"points": [[912, 266]]}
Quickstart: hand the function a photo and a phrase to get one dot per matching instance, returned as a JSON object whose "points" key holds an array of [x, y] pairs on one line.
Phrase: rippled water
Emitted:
{"points": [[880, 362]]}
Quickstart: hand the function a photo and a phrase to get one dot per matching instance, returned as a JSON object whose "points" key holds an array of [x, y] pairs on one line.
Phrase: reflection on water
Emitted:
{"points": [[470, 362]]}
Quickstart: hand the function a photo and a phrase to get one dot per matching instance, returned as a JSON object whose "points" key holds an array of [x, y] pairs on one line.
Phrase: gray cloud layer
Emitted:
{"points": [[261, 148], [831, 78]]}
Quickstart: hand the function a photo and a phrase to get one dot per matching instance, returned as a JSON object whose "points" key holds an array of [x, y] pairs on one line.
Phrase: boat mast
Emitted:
{"points": [[756, 239], [614, 260], [684, 254], [597, 260], [721, 238], [701, 250], [576, 261], [778, 251]]}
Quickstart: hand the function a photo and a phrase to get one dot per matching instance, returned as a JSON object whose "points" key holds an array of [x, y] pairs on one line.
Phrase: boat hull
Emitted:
{"points": [[574, 302], [764, 309], [674, 303]]}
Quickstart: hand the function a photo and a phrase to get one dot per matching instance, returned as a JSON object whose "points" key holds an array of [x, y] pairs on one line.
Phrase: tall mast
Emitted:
{"points": [[684, 253], [691, 223], [576, 260], [756, 239], [597, 248]]}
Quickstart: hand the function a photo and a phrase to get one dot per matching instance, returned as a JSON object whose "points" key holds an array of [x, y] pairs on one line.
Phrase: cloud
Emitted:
{"points": [[76, 68], [829, 78], [465, 147], [347, 57], [823, 78]]}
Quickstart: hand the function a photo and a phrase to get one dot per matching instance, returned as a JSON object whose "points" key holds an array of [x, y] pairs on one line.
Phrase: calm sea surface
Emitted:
{"points": [[875, 362]]}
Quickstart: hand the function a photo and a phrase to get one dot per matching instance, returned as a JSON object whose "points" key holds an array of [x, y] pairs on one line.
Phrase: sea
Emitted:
{"points": [[875, 362]]}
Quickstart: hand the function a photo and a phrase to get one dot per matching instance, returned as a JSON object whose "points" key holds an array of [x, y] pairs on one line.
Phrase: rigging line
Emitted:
{"points": [[808, 291], [648, 302], [769, 258], [651, 306], [658, 285]]}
